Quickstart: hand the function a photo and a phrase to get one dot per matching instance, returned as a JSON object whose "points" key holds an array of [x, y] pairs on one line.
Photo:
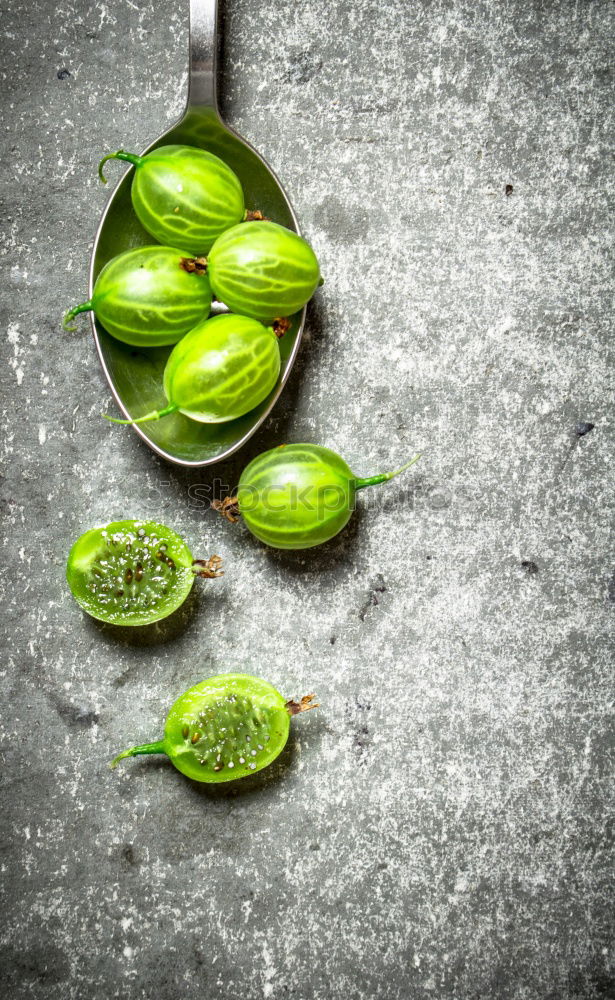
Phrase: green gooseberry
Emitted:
{"points": [[148, 297], [182, 195], [134, 572], [224, 728], [220, 370], [298, 495], [263, 270]]}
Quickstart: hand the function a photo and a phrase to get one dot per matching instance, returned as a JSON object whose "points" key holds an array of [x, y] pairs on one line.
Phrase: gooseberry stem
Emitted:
{"points": [[280, 326], [254, 215], [305, 705], [385, 476], [119, 155], [228, 508], [208, 569], [154, 415], [158, 747], [84, 307]]}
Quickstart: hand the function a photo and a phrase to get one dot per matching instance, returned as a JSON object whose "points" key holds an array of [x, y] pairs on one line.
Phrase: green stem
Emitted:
{"points": [[385, 476], [119, 155], [159, 747], [154, 415], [84, 307]]}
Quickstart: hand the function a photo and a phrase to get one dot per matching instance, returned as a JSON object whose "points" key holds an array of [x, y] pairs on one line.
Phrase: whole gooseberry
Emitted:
{"points": [[147, 297], [298, 495], [220, 370], [262, 270], [182, 195]]}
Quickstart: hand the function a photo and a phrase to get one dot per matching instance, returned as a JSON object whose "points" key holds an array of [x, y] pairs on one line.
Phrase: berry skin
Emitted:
{"points": [[263, 270], [183, 196], [297, 496]]}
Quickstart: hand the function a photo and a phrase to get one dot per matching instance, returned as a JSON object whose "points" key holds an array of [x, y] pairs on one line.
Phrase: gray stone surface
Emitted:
{"points": [[441, 827]]}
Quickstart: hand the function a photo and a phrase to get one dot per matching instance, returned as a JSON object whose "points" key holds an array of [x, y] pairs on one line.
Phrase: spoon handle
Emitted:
{"points": [[203, 50]]}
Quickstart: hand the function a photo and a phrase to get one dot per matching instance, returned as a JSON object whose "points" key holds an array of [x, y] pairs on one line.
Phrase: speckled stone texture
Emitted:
{"points": [[440, 828]]}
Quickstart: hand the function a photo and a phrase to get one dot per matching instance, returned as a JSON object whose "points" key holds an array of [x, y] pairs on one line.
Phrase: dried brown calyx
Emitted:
{"points": [[306, 703], [281, 325], [194, 265], [228, 508], [255, 215], [209, 569]]}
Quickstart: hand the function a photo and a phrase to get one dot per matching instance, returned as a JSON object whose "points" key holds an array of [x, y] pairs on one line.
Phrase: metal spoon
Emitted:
{"points": [[135, 376]]}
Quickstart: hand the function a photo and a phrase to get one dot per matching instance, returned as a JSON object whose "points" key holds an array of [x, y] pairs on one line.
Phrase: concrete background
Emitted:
{"points": [[440, 828]]}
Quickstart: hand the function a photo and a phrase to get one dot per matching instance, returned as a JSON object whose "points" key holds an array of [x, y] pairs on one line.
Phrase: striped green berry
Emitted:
{"points": [[183, 196], [299, 495], [262, 270], [148, 297], [220, 370]]}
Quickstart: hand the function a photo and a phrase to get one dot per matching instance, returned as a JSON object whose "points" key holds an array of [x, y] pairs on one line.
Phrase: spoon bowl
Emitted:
{"points": [[134, 374]]}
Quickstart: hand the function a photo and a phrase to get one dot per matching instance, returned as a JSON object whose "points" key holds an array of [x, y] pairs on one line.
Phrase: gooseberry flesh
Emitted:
{"points": [[133, 572], [227, 727]]}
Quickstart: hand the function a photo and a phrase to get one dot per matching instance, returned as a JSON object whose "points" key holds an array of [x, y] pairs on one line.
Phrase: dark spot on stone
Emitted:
{"points": [[361, 742], [314, 847], [371, 601], [583, 428], [508, 190], [303, 66], [611, 589], [129, 856], [43, 963], [76, 715], [429, 557], [381, 866], [340, 222], [63, 74], [355, 712], [378, 586], [604, 985], [529, 567], [333, 640]]}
